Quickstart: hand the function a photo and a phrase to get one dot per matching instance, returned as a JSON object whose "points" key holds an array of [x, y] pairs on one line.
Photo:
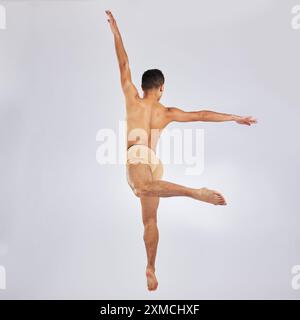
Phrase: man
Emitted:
{"points": [[146, 117]]}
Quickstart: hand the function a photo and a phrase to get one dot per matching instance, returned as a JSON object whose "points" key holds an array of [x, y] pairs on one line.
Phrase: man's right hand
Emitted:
{"points": [[112, 22]]}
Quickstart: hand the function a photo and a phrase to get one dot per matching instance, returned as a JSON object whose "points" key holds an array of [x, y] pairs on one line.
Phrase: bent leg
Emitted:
{"points": [[140, 179], [151, 237]]}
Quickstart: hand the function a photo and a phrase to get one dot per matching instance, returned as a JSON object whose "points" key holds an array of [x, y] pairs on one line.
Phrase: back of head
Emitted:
{"points": [[152, 79]]}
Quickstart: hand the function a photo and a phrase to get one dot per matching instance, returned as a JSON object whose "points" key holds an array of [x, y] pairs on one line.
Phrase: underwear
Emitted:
{"points": [[140, 153]]}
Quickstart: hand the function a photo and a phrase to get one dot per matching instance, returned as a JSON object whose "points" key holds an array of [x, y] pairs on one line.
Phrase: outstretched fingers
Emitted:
{"points": [[110, 16], [248, 121], [112, 22]]}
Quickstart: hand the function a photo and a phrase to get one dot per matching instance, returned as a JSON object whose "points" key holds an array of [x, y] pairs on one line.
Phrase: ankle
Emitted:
{"points": [[194, 193], [150, 268]]}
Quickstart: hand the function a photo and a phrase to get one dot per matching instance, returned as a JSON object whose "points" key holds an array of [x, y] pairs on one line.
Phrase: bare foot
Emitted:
{"points": [[210, 196], [151, 279]]}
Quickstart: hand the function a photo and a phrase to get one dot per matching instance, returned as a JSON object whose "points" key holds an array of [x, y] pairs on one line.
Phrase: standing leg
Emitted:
{"points": [[151, 236], [149, 205]]}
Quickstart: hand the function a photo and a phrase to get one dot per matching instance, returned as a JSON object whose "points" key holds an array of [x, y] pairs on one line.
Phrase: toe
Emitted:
{"points": [[221, 200]]}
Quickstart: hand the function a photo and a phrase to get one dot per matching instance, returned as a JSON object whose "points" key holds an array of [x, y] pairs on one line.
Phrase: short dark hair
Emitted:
{"points": [[152, 78]]}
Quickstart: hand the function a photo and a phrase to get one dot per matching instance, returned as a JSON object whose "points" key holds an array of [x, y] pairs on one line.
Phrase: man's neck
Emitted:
{"points": [[151, 95]]}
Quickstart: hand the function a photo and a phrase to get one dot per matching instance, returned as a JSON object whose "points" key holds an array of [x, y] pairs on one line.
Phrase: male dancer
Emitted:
{"points": [[146, 116]]}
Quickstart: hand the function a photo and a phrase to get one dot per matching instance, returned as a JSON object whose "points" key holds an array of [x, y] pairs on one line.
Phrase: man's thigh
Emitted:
{"points": [[138, 174], [158, 172]]}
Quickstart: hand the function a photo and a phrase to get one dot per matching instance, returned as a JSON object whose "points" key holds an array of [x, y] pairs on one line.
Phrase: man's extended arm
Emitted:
{"points": [[176, 114], [126, 82]]}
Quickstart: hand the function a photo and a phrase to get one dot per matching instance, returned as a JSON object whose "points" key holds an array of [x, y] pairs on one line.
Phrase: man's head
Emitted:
{"points": [[153, 81]]}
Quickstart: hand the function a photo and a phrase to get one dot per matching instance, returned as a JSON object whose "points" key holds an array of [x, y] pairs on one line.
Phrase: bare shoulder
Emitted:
{"points": [[160, 115], [165, 111], [133, 101], [132, 95], [159, 109]]}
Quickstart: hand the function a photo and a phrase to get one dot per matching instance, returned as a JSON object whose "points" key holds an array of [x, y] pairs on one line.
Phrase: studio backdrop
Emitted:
{"points": [[70, 228]]}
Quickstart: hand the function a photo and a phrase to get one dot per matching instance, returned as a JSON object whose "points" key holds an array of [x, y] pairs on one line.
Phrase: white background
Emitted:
{"points": [[72, 229]]}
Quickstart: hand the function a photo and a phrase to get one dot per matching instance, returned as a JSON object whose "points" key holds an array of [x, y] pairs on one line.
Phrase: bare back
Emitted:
{"points": [[145, 121]]}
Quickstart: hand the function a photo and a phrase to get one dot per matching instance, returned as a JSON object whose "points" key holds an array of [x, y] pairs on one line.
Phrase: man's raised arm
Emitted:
{"points": [[128, 87], [176, 114]]}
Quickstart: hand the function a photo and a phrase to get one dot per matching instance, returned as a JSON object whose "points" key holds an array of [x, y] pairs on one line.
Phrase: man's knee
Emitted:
{"points": [[150, 222]]}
